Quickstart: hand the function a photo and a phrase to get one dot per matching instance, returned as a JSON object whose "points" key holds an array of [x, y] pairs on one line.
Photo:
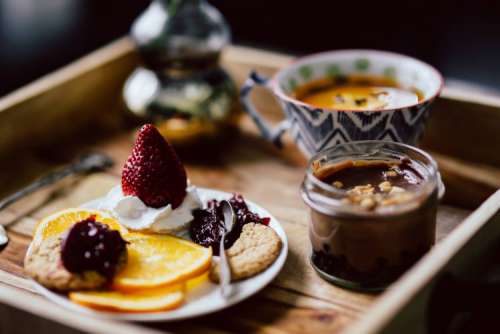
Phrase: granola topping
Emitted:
{"points": [[366, 197], [372, 184], [338, 184]]}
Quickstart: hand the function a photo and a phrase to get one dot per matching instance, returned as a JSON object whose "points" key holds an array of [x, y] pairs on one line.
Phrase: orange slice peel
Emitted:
{"points": [[60, 221], [153, 300]]}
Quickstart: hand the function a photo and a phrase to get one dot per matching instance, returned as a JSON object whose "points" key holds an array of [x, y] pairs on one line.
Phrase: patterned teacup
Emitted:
{"points": [[315, 129]]}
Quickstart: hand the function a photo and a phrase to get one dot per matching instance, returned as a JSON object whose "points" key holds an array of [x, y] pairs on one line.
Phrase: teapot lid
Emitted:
{"points": [[180, 33]]}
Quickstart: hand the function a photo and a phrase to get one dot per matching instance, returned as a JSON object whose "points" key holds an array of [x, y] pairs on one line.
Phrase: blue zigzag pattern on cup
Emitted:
{"points": [[336, 137], [366, 118], [315, 130], [404, 130], [314, 116], [349, 121]]}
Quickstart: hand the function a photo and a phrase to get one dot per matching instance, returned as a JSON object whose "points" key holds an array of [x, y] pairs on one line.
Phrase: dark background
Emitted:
{"points": [[461, 38]]}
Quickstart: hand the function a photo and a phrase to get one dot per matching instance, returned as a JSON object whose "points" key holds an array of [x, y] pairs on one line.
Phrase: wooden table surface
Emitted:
{"points": [[297, 300]]}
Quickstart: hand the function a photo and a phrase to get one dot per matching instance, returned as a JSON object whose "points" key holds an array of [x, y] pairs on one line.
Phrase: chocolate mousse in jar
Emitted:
{"points": [[373, 211]]}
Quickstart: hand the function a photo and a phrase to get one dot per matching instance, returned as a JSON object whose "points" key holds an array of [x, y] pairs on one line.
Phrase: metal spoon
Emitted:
{"points": [[224, 269], [84, 163]]}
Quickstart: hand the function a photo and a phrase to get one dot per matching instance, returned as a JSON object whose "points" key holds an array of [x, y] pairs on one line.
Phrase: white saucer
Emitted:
{"points": [[204, 299]]}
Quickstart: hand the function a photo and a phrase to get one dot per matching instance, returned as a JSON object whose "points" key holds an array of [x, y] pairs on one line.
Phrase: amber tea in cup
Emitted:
{"points": [[357, 92]]}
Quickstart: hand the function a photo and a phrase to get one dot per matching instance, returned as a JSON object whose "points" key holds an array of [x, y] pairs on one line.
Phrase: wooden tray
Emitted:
{"points": [[80, 106]]}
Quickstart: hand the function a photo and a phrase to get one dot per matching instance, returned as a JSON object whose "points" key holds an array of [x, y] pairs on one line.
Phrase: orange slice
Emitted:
{"points": [[196, 282], [61, 221], [160, 299], [156, 260]]}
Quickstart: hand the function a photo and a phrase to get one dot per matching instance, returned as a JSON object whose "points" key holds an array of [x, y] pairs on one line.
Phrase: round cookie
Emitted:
{"points": [[44, 265], [254, 251]]}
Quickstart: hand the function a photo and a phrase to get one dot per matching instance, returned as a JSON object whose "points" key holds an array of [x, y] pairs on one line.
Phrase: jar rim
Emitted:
{"points": [[325, 203]]}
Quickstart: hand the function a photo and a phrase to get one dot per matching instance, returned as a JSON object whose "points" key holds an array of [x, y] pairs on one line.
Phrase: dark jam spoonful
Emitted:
{"points": [[93, 246], [206, 228]]}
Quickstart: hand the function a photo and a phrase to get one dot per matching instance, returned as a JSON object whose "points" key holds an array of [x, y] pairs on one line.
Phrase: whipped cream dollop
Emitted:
{"points": [[132, 213]]}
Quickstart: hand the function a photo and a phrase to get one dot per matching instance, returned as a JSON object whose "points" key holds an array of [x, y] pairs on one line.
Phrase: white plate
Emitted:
{"points": [[204, 299]]}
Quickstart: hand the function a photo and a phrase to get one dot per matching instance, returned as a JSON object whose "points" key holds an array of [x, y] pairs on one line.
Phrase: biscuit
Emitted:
{"points": [[255, 250], [44, 265]]}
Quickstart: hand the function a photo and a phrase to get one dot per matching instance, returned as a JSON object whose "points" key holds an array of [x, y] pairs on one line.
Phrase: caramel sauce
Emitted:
{"points": [[352, 173]]}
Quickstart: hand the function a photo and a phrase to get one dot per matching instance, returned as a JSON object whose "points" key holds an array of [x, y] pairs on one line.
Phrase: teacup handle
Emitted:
{"points": [[273, 134]]}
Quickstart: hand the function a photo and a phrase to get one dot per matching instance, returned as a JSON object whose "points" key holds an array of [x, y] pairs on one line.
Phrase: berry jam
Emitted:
{"points": [[92, 246], [207, 226]]}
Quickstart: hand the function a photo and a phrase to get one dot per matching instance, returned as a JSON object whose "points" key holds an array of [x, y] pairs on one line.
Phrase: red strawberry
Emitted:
{"points": [[153, 172]]}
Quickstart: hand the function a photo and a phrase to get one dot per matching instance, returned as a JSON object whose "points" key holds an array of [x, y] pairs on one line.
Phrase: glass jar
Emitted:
{"points": [[362, 249]]}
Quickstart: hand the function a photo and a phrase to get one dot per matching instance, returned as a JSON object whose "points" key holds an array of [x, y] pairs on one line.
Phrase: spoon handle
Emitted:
{"points": [[225, 271], [83, 164], [224, 268]]}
